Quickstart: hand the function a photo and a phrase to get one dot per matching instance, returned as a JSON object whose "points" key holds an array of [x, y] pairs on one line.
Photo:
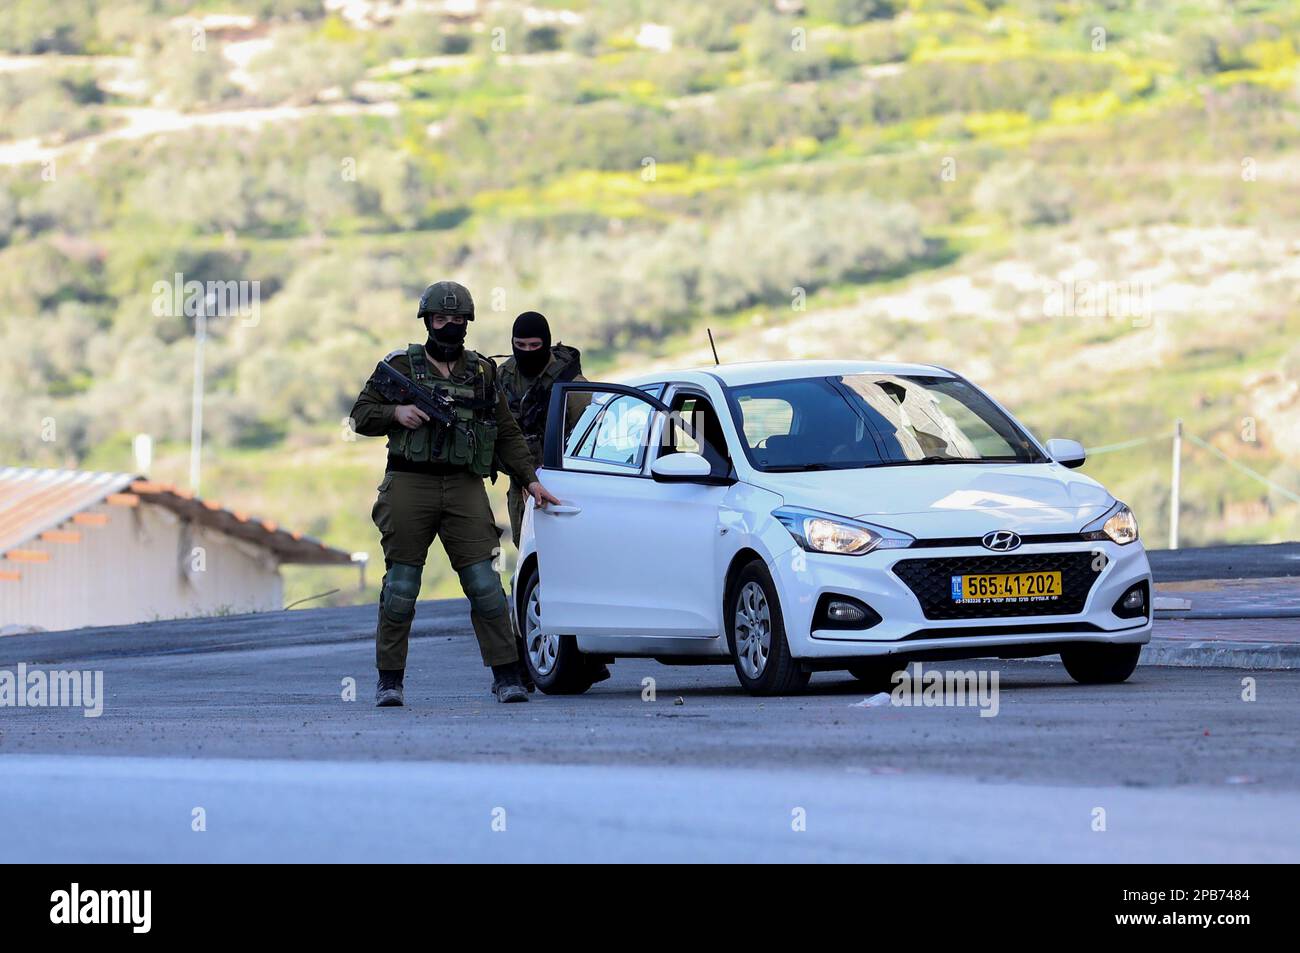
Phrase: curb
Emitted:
{"points": [[1220, 654], [1220, 614]]}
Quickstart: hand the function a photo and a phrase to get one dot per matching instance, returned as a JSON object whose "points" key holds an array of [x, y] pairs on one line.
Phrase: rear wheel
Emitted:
{"points": [[877, 674], [1100, 664], [756, 636], [554, 661]]}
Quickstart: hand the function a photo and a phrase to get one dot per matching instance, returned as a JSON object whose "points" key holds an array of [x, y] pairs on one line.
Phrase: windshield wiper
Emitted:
{"points": [[934, 460], [802, 467]]}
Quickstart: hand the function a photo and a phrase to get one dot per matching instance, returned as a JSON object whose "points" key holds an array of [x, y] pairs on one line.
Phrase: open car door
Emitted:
{"points": [[624, 554]]}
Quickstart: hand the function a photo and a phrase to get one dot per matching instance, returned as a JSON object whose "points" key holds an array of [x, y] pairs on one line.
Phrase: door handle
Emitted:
{"points": [[562, 509]]}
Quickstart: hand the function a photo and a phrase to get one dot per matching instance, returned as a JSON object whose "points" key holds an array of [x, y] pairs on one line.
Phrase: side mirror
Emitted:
{"points": [[1068, 453], [681, 468]]}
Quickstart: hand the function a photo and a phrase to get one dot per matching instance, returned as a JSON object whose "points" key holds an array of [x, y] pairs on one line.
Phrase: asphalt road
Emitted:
{"points": [[1270, 561], [246, 719]]}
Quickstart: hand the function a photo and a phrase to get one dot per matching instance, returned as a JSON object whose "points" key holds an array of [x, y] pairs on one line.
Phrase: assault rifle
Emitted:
{"points": [[396, 387]]}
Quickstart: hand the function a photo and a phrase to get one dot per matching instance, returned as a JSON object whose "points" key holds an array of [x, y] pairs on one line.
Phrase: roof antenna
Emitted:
{"points": [[716, 362]]}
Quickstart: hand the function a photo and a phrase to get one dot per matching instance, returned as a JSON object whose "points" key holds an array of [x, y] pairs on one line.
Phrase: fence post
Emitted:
{"points": [[1177, 481]]}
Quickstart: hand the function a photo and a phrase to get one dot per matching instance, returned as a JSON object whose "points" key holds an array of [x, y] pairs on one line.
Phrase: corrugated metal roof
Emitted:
{"points": [[33, 501]]}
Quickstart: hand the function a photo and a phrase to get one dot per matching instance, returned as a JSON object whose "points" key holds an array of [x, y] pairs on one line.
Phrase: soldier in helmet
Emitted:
{"points": [[434, 487]]}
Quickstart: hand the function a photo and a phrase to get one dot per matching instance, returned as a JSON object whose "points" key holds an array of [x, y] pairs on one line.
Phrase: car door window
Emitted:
{"points": [[577, 433], [682, 433], [695, 428], [612, 431]]}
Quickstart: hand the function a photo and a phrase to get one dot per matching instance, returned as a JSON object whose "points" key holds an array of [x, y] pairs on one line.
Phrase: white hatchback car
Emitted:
{"points": [[819, 515]]}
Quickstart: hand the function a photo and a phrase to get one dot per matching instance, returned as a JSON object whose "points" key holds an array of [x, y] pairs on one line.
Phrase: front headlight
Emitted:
{"points": [[1122, 527], [1119, 525], [824, 533]]}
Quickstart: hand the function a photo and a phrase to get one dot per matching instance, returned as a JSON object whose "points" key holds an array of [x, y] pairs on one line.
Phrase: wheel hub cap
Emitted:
{"points": [[753, 627], [542, 649]]}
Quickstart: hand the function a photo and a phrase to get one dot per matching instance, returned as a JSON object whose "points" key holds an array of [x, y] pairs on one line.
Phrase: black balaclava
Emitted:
{"points": [[446, 343], [530, 324]]}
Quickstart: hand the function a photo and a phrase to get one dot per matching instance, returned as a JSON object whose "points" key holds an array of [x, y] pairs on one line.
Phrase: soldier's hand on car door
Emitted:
{"points": [[541, 496]]}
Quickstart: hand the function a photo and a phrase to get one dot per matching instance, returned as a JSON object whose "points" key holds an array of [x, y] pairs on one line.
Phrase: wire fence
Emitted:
{"points": [[1178, 436], [1205, 445], [1290, 495]]}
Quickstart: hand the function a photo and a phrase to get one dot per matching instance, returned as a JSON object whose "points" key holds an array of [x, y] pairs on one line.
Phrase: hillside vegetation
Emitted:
{"points": [[1088, 207]]}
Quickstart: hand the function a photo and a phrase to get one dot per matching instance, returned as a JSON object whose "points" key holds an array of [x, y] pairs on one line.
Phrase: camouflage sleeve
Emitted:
{"points": [[574, 407], [371, 416], [512, 450]]}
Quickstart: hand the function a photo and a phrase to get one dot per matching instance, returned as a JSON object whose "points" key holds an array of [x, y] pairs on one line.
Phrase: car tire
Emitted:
{"points": [[752, 616], [554, 662], [877, 674], [1100, 664]]}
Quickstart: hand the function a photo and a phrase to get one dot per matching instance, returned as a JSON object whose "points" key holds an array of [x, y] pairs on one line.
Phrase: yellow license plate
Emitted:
{"points": [[1007, 587]]}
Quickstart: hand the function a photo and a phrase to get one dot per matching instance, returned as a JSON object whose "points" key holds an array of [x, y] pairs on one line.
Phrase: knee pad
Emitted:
{"points": [[482, 587], [401, 589]]}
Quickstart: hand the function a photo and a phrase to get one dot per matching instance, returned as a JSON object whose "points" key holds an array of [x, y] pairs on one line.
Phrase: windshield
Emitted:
{"points": [[873, 420]]}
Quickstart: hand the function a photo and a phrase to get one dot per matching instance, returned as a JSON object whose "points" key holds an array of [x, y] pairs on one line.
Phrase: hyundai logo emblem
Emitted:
{"points": [[1001, 542]]}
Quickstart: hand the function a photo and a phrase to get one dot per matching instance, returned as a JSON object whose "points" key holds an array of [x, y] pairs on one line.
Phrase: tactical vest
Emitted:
{"points": [[472, 441], [529, 406]]}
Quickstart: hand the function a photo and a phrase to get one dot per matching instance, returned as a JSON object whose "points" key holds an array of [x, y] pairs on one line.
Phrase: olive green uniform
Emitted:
{"points": [[434, 488], [520, 392]]}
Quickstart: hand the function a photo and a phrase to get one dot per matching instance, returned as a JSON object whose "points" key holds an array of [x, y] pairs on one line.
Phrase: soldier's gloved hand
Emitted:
{"points": [[410, 416], [541, 496]]}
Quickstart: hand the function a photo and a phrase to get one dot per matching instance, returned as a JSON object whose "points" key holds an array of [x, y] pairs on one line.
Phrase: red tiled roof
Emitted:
{"points": [[35, 501]]}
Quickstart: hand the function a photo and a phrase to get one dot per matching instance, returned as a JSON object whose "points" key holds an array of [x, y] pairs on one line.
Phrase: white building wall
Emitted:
{"points": [[146, 564]]}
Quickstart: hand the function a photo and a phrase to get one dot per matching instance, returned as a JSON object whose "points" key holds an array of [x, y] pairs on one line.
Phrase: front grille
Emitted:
{"points": [[956, 542], [931, 582]]}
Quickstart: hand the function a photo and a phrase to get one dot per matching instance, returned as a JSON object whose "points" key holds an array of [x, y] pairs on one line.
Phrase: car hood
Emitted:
{"points": [[930, 501]]}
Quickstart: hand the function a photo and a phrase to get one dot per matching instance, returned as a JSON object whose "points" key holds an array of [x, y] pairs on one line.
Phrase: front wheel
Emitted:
{"points": [[554, 661], [1100, 664], [756, 636]]}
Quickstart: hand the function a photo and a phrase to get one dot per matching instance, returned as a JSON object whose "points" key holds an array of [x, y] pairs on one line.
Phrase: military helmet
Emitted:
{"points": [[446, 297]]}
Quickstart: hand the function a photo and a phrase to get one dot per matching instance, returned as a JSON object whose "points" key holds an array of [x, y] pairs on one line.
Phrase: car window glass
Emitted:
{"points": [[696, 428], [765, 417], [926, 421], [683, 442], [582, 427], [867, 420], [986, 441], [614, 428]]}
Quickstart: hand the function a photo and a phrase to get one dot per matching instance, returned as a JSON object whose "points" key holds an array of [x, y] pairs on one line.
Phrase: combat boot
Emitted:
{"points": [[525, 673], [526, 676], [507, 686], [388, 693]]}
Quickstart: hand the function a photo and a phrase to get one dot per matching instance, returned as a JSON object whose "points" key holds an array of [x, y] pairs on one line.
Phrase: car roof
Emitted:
{"points": [[761, 372]]}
